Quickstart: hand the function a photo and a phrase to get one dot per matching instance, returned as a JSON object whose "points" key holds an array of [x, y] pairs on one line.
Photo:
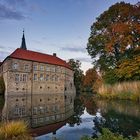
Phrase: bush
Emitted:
{"points": [[14, 131], [108, 135]]}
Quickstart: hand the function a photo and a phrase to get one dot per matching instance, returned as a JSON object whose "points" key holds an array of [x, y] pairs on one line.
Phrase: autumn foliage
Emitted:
{"points": [[114, 43], [92, 80]]}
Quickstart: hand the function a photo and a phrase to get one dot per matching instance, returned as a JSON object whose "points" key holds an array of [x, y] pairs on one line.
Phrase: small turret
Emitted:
{"points": [[23, 43]]}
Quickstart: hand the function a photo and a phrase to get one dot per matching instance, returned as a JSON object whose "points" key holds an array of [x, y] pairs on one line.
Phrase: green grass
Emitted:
{"points": [[14, 130], [124, 90]]}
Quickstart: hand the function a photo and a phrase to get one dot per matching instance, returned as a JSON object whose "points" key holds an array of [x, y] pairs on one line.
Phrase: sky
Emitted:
{"points": [[51, 26]]}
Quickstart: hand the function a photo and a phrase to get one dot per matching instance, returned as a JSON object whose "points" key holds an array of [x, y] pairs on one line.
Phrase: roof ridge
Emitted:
{"points": [[40, 53], [38, 57]]}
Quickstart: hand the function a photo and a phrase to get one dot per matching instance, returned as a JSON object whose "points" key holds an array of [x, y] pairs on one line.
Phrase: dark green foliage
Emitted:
{"points": [[2, 86], [78, 74], [110, 77], [108, 135]]}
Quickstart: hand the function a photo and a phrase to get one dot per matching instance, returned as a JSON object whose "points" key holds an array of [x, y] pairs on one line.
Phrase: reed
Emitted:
{"points": [[14, 130], [124, 90]]}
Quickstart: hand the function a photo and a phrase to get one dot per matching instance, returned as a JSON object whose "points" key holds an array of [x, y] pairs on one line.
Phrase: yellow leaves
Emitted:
{"points": [[129, 68]]}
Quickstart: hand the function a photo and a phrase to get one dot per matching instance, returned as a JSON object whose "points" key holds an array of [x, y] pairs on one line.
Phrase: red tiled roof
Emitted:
{"points": [[38, 57]]}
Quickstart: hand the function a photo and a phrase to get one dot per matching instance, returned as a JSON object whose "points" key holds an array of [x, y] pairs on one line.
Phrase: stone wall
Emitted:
{"points": [[36, 92]]}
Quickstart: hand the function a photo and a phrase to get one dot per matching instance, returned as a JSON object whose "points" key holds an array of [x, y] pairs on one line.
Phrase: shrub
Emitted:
{"points": [[14, 130], [108, 135]]}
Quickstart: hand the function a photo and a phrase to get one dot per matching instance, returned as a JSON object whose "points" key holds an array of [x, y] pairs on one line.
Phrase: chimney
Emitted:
{"points": [[54, 54]]}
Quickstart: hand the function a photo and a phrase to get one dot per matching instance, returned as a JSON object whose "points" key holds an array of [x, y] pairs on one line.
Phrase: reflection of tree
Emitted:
{"points": [[122, 123], [121, 116], [89, 104], [78, 109]]}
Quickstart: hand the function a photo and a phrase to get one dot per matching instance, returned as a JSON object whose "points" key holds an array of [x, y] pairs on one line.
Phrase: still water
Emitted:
{"points": [[90, 115]]}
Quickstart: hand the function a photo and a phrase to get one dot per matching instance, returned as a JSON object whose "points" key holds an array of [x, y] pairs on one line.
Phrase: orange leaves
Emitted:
{"points": [[120, 28]]}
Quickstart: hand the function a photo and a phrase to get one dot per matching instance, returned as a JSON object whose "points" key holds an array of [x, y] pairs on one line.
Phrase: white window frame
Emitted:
{"points": [[15, 66]]}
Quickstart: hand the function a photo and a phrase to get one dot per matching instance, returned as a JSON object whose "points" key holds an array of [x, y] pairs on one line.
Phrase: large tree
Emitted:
{"points": [[115, 35], [78, 74]]}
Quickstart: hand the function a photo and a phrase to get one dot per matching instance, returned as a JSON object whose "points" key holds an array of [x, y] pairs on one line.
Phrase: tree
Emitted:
{"points": [[2, 86], [115, 35], [90, 80], [78, 74], [129, 69]]}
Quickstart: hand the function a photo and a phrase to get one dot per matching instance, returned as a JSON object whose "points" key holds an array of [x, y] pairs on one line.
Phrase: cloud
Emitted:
{"points": [[8, 13], [84, 59], [74, 49], [15, 3], [4, 52], [35, 7]]}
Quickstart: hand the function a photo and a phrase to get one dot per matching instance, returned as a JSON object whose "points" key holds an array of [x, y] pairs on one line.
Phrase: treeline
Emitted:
{"points": [[114, 47]]}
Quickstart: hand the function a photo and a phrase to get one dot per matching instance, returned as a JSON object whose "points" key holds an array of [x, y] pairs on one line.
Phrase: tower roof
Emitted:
{"points": [[23, 43]]}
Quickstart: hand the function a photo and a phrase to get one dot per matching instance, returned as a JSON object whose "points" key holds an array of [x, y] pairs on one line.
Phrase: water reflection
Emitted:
{"points": [[92, 114], [75, 132], [121, 116]]}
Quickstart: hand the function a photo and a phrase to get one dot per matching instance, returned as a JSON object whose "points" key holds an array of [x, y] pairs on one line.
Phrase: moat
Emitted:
{"points": [[92, 114]]}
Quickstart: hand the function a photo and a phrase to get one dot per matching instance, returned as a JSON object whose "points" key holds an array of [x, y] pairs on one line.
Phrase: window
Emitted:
{"points": [[53, 118], [15, 66], [22, 111], [16, 111], [47, 109], [40, 120], [34, 121], [17, 78], [19, 111], [47, 68], [41, 68], [47, 77], [53, 78], [53, 69], [35, 67], [24, 77], [20, 77], [58, 116], [41, 77], [47, 119], [55, 108], [41, 110], [35, 77], [26, 67], [35, 110]]}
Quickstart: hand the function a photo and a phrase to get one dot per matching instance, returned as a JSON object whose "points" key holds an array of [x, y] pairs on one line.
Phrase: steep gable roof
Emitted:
{"points": [[38, 57]]}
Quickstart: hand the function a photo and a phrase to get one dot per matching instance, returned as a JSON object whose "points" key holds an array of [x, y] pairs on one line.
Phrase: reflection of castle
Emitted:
{"points": [[39, 87]]}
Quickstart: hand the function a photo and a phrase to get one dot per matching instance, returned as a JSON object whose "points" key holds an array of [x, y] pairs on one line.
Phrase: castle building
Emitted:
{"points": [[39, 88]]}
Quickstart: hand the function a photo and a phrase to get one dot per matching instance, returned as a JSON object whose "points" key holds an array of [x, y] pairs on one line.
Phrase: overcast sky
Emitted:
{"points": [[61, 26]]}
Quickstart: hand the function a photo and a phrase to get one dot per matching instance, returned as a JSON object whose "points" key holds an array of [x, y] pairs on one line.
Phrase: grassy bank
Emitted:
{"points": [[14, 130], [108, 135], [125, 90]]}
